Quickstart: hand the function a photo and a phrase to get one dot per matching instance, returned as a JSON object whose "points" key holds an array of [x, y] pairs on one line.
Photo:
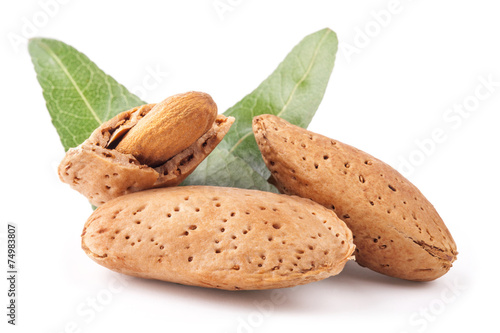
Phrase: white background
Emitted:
{"points": [[395, 90]]}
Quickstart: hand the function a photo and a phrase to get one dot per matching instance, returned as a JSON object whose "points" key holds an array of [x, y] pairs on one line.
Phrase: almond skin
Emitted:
{"points": [[396, 230], [218, 237], [170, 127]]}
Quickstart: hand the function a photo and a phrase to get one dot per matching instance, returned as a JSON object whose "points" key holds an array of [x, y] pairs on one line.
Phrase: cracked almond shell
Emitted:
{"points": [[102, 173], [218, 237], [397, 231]]}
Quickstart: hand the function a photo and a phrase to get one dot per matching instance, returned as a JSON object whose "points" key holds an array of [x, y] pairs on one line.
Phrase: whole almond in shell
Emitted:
{"points": [[396, 230], [218, 237], [170, 127]]}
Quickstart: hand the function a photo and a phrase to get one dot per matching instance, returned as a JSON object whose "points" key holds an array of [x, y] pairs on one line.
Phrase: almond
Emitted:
{"points": [[170, 127], [396, 230], [218, 237]]}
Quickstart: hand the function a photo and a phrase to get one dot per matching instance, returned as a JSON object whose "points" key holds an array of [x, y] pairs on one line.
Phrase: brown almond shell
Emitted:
{"points": [[218, 237], [397, 231]]}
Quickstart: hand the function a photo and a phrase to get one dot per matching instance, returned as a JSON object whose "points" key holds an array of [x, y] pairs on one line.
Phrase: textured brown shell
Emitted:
{"points": [[396, 230], [102, 173], [218, 237]]}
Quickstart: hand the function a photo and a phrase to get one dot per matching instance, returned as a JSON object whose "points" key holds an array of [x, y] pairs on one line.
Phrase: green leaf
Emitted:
{"points": [[222, 168], [78, 94], [293, 91]]}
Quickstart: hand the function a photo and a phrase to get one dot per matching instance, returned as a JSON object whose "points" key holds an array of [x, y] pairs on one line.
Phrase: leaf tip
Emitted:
{"points": [[35, 40], [328, 31], [35, 43]]}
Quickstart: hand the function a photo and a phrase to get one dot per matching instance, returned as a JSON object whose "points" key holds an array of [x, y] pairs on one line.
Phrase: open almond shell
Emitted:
{"points": [[102, 173]]}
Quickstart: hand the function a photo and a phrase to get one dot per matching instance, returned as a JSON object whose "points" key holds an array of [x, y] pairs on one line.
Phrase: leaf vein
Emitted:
{"points": [[72, 80]]}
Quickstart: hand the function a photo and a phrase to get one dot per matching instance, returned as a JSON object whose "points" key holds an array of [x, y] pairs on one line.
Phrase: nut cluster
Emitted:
{"points": [[337, 202]]}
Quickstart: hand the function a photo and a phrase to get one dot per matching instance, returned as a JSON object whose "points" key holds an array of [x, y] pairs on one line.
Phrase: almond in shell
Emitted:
{"points": [[218, 237], [397, 231], [103, 167]]}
